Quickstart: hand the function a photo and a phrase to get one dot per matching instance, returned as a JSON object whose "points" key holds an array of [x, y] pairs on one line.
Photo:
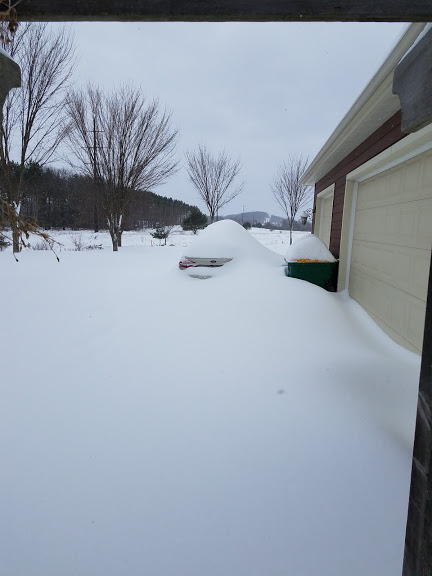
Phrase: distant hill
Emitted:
{"points": [[255, 218], [265, 219]]}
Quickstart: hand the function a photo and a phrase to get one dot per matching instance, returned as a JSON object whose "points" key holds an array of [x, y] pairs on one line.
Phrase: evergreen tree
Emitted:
{"points": [[195, 220], [161, 233]]}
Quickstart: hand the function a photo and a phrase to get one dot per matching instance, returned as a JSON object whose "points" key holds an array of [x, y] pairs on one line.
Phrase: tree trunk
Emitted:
{"points": [[96, 214], [16, 247], [15, 239], [291, 227], [119, 239], [114, 240]]}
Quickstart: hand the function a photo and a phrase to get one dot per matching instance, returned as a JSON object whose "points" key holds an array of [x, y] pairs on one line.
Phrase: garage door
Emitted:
{"points": [[326, 211], [391, 248]]}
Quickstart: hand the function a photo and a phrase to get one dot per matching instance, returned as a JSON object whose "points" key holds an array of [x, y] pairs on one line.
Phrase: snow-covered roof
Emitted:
{"points": [[375, 105], [419, 37]]}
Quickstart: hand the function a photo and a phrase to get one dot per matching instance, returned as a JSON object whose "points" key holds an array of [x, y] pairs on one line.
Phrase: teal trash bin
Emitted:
{"points": [[323, 274]]}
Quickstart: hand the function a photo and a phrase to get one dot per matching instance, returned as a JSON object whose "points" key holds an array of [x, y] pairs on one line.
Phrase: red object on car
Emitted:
{"points": [[205, 262], [183, 264]]}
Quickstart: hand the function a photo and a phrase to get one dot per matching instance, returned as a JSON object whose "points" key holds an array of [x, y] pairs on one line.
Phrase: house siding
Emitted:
{"points": [[387, 135]]}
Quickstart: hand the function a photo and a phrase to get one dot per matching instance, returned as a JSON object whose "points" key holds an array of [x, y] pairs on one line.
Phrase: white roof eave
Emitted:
{"points": [[375, 105]]}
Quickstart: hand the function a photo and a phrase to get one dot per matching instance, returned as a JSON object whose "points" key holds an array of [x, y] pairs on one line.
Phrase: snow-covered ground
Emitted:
{"points": [[151, 423], [276, 240]]}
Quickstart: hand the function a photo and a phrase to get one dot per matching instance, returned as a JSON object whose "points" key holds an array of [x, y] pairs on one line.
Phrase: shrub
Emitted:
{"points": [[3, 243], [41, 245], [79, 244], [161, 233], [195, 220]]}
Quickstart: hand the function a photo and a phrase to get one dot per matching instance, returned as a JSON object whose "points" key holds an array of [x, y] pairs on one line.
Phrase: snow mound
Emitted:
{"points": [[228, 239], [310, 247]]}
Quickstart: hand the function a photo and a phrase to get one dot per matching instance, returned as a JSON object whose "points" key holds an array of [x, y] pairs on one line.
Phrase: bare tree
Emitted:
{"points": [[134, 146], [288, 191], [33, 125], [214, 178]]}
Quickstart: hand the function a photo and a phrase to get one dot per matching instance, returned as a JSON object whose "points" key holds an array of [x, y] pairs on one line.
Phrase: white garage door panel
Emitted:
{"points": [[380, 261], [403, 224], [415, 173], [397, 311], [391, 246], [326, 219], [393, 334]]}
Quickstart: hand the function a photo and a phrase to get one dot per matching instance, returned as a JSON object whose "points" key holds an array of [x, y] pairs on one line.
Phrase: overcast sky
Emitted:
{"points": [[261, 91]]}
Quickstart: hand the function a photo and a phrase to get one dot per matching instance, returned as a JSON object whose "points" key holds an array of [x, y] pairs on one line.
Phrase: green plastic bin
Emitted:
{"points": [[322, 274]]}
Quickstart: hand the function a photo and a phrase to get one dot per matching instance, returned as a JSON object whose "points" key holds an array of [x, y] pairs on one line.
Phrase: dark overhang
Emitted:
{"points": [[10, 76], [226, 10], [412, 82]]}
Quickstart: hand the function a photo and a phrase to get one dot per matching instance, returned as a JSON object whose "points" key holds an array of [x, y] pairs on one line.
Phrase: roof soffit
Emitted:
{"points": [[375, 105]]}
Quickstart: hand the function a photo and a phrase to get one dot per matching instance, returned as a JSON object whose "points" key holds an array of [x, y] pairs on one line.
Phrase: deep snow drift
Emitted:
{"points": [[228, 239], [246, 425]]}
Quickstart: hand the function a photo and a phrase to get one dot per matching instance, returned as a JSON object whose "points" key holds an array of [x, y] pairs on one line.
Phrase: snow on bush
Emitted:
{"points": [[309, 247], [228, 239]]}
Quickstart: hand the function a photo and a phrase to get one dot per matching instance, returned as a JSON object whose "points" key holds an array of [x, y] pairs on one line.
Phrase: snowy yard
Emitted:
{"points": [[276, 240], [155, 424]]}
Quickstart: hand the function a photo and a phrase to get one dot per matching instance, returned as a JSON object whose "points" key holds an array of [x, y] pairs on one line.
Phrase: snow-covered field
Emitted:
{"points": [[155, 424], [276, 240]]}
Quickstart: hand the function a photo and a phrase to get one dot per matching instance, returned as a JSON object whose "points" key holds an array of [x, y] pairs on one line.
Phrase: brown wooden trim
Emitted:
{"points": [[389, 133], [386, 135], [338, 210], [341, 184], [226, 10]]}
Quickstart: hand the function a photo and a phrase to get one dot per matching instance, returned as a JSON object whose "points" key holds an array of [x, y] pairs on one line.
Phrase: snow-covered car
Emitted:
{"points": [[219, 244], [193, 262]]}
